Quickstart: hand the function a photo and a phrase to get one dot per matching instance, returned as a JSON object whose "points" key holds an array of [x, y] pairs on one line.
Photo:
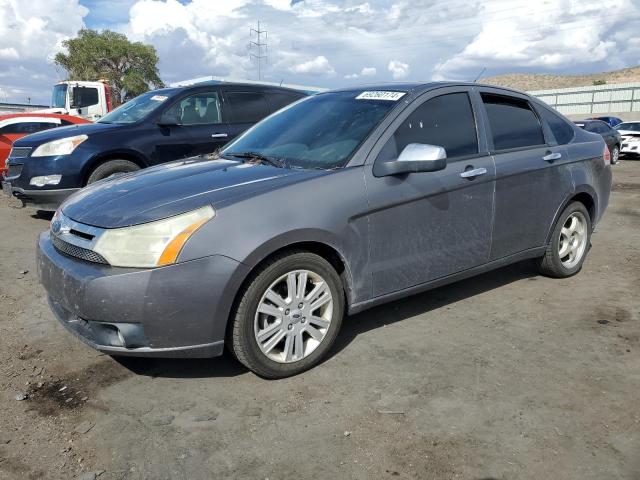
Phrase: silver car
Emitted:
{"points": [[339, 202]]}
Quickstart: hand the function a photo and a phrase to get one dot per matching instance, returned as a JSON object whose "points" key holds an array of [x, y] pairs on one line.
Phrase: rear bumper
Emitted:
{"points": [[179, 310]]}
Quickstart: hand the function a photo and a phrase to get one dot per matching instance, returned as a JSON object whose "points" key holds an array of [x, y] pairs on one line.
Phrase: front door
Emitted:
{"points": [[424, 226], [201, 129]]}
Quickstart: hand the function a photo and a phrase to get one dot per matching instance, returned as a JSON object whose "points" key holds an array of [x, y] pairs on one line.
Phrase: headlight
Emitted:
{"points": [[151, 244], [64, 146]]}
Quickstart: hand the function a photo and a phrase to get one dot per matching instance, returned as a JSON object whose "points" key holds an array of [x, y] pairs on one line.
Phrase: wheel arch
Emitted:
{"points": [[322, 248], [585, 195], [102, 158]]}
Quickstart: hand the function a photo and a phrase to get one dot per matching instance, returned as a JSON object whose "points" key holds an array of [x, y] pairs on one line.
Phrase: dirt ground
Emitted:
{"points": [[504, 376]]}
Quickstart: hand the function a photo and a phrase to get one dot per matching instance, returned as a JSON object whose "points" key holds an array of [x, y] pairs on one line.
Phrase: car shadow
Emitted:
{"points": [[377, 317], [422, 303], [42, 215]]}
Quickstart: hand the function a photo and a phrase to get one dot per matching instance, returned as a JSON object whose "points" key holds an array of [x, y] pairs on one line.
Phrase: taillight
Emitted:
{"points": [[606, 155]]}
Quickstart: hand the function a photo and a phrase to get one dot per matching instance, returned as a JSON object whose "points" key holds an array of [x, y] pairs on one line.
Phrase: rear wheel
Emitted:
{"points": [[615, 154], [288, 315], [570, 242], [111, 167]]}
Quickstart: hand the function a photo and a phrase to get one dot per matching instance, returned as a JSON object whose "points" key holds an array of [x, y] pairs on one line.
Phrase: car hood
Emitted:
{"points": [[633, 133], [173, 188], [36, 139]]}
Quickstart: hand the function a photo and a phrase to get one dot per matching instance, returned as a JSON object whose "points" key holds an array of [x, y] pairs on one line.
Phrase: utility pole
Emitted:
{"points": [[257, 47]]}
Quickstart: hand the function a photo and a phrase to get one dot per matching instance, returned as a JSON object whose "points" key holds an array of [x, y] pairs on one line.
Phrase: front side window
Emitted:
{"points": [[446, 121], [87, 96], [199, 109], [319, 132], [247, 107], [561, 129], [513, 123], [137, 108]]}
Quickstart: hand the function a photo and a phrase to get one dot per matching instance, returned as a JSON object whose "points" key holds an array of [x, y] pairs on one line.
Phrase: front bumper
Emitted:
{"points": [[48, 200], [630, 148], [179, 310]]}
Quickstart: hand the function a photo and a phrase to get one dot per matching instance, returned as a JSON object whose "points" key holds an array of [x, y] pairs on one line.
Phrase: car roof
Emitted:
{"points": [[421, 86], [248, 86], [7, 116], [591, 120]]}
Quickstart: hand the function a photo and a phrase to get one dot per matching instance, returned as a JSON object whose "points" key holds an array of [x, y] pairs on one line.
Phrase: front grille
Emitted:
{"points": [[14, 171], [77, 252], [20, 152]]}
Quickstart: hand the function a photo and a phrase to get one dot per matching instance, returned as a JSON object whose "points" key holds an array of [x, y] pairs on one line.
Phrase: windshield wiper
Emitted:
{"points": [[258, 157]]}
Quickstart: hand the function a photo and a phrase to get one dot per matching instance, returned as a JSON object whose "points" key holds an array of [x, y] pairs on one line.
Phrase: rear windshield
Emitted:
{"points": [[322, 131]]}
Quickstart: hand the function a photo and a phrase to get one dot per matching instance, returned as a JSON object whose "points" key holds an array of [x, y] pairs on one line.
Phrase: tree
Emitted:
{"points": [[130, 68]]}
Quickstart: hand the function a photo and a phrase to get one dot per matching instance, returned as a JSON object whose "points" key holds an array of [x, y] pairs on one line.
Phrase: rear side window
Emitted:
{"points": [[562, 131], [513, 123], [247, 107], [446, 121], [279, 100], [25, 128]]}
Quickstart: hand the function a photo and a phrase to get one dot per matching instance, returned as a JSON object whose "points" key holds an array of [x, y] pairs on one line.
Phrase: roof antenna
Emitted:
{"points": [[484, 69]]}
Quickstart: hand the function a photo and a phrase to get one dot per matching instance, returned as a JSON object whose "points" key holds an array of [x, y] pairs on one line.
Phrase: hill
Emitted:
{"points": [[526, 81]]}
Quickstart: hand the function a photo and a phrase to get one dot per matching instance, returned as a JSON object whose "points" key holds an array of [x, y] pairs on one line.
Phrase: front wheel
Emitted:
{"points": [[111, 167], [570, 242], [288, 316]]}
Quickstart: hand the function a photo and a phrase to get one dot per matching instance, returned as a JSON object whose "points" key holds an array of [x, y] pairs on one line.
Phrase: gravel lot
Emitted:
{"points": [[508, 376]]}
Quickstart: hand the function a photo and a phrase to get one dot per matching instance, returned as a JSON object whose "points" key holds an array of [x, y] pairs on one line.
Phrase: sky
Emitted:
{"points": [[327, 43]]}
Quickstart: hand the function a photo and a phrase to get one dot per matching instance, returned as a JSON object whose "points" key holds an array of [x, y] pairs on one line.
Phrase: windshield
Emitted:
{"points": [[59, 96], [135, 109], [321, 131], [630, 126]]}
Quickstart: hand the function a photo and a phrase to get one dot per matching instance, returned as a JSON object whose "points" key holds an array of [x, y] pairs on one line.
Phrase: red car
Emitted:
{"points": [[16, 125]]}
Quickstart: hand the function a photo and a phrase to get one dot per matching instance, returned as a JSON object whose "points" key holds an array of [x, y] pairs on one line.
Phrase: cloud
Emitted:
{"points": [[31, 33], [318, 66], [328, 42], [365, 72], [544, 37], [9, 53], [398, 69]]}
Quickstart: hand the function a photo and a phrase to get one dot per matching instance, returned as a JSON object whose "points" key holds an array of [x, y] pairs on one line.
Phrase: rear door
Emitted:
{"points": [[428, 225], [532, 176], [244, 108]]}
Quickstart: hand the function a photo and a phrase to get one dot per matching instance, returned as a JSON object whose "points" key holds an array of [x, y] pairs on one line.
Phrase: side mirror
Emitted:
{"points": [[170, 118], [416, 157]]}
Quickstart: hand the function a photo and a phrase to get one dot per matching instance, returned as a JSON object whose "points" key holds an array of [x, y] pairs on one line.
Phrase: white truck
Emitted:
{"points": [[90, 100]]}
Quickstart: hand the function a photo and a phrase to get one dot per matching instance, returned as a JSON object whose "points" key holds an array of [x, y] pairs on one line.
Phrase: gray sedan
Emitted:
{"points": [[339, 202]]}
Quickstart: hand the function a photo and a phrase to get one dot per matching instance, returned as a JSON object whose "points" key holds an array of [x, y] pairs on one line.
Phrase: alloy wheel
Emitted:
{"points": [[293, 316], [573, 240]]}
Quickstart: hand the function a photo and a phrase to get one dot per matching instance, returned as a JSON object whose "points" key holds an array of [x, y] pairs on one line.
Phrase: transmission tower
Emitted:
{"points": [[258, 47]]}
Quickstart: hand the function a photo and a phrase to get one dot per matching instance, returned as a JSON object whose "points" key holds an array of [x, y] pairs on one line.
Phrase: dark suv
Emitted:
{"points": [[153, 128]]}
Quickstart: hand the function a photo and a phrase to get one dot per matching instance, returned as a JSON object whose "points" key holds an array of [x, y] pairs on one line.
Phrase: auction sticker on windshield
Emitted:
{"points": [[159, 98], [379, 95]]}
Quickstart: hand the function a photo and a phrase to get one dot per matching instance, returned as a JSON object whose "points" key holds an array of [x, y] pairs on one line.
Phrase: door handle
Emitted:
{"points": [[219, 135], [471, 174], [550, 157]]}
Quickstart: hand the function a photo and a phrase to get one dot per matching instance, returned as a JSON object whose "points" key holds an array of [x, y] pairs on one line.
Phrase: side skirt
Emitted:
{"points": [[423, 287]]}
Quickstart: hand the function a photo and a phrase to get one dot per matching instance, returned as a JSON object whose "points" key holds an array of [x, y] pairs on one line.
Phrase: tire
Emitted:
{"points": [[615, 155], [557, 261], [111, 167], [292, 326]]}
